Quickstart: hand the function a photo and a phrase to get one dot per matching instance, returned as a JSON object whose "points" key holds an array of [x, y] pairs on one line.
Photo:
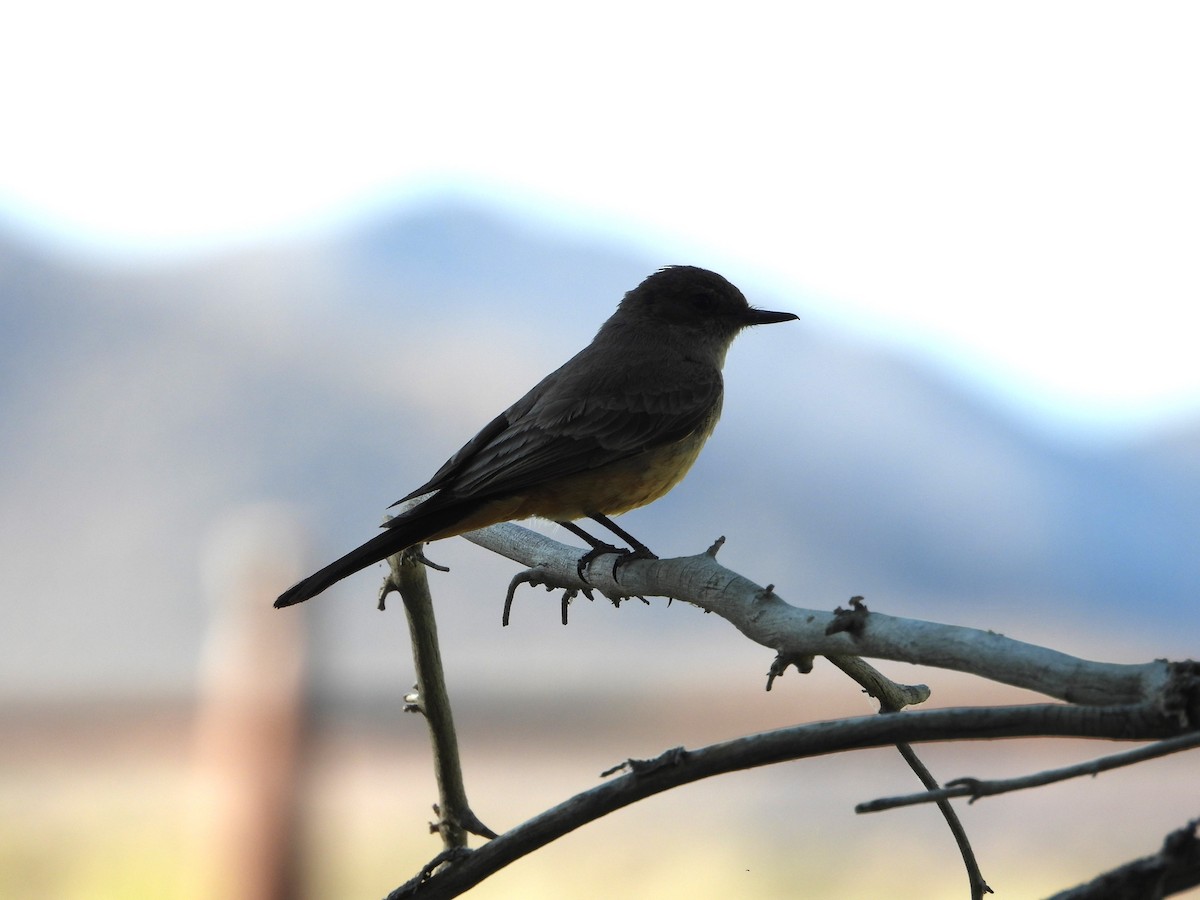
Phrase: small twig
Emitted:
{"points": [[979, 885], [537, 576], [413, 884], [533, 576], [455, 818], [975, 788], [892, 695], [779, 665], [419, 555], [672, 757], [892, 698]]}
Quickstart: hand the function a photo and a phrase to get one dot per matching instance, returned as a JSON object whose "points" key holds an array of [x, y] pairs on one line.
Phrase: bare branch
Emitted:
{"points": [[975, 788], [975, 878], [794, 632], [455, 818], [680, 767], [892, 695], [1174, 869], [893, 698]]}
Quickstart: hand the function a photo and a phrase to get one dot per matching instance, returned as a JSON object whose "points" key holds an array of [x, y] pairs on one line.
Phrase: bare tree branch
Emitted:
{"points": [[678, 767], [455, 818], [975, 788], [892, 695], [893, 698], [765, 618], [1132, 702], [1174, 869], [975, 878]]}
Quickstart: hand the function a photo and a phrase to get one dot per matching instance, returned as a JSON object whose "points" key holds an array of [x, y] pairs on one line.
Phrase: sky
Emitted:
{"points": [[1009, 189]]}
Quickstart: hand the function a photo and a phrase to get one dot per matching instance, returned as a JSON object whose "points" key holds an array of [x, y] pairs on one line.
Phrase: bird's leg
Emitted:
{"points": [[640, 550], [636, 549], [599, 548]]}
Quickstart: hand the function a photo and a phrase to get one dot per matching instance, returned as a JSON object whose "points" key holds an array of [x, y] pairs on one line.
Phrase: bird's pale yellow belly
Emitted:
{"points": [[609, 490]]}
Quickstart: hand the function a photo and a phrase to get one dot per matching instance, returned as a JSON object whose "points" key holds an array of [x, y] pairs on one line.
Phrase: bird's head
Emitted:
{"points": [[691, 299]]}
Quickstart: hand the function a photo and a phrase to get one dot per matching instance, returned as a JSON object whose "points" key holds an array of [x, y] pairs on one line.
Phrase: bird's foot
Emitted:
{"points": [[627, 556], [599, 548], [623, 554]]}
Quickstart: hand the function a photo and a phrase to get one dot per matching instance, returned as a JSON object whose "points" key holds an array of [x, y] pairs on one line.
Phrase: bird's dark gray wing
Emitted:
{"points": [[577, 419]]}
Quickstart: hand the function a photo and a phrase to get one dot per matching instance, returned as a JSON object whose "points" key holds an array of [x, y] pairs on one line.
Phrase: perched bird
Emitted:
{"points": [[614, 428]]}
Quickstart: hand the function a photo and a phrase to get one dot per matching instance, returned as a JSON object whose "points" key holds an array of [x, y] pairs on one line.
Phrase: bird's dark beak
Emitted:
{"points": [[766, 317]]}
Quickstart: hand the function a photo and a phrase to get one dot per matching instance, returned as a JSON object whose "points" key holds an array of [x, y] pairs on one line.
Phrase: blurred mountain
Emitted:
{"points": [[139, 405]]}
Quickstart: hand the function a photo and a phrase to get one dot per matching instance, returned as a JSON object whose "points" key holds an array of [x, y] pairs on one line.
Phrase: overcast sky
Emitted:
{"points": [[1012, 188]]}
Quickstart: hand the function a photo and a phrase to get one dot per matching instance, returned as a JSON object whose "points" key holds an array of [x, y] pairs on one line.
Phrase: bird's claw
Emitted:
{"points": [[627, 556], [623, 554], [598, 549]]}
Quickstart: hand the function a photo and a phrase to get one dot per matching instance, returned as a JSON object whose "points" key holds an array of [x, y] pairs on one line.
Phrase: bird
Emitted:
{"points": [[614, 428]]}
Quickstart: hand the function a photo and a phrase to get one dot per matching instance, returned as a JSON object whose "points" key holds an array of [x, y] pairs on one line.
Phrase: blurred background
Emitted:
{"points": [[263, 268]]}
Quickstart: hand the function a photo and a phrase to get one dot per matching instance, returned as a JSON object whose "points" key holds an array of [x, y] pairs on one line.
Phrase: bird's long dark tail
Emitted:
{"points": [[401, 532]]}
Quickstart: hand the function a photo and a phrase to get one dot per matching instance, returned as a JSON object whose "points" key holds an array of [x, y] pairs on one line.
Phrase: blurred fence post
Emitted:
{"points": [[251, 711]]}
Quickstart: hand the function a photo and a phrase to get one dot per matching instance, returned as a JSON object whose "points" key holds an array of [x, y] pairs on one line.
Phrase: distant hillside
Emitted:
{"points": [[138, 406]]}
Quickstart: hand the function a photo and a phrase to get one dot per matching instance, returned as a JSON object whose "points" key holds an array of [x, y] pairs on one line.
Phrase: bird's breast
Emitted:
{"points": [[616, 487]]}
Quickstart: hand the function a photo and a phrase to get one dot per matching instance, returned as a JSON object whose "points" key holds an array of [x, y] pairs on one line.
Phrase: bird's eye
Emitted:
{"points": [[703, 302]]}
